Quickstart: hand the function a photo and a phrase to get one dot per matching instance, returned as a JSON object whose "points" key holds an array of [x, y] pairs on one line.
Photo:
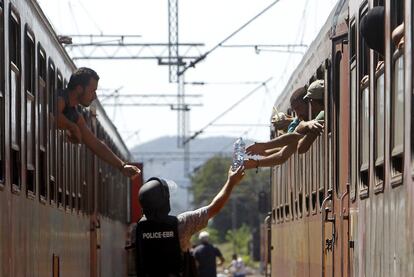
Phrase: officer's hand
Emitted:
{"points": [[74, 134], [130, 171], [234, 177], [256, 149]]}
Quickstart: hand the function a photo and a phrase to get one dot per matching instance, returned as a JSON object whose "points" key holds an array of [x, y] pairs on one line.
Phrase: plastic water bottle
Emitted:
{"points": [[239, 152]]}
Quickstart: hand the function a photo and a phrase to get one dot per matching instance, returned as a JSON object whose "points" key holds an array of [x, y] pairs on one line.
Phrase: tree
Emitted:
{"points": [[243, 203]]}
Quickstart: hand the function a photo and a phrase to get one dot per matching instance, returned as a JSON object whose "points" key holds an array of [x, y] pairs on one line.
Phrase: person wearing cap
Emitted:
{"points": [[205, 254], [81, 91], [312, 129], [163, 240], [280, 149]]}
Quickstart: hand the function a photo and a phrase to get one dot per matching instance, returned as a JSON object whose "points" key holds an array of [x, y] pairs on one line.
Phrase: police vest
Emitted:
{"points": [[158, 248]]}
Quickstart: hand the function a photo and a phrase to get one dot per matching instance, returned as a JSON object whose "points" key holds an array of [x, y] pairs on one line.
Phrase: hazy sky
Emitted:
{"points": [[200, 21]]}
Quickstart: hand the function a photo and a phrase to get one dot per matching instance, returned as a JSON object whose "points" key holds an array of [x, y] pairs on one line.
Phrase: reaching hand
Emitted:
{"points": [[236, 176], [316, 126], [250, 163], [130, 171], [256, 149]]}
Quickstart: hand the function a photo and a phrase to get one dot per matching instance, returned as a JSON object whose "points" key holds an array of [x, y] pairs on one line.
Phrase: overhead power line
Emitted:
{"points": [[226, 111], [202, 57]]}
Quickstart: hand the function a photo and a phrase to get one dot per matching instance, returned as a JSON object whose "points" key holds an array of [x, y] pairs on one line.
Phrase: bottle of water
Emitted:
{"points": [[238, 153]]}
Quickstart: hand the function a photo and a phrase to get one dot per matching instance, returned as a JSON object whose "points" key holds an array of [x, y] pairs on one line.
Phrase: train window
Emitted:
{"points": [[73, 175], [295, 184], [59, 168], [364, 129], [280, 189], [397, 13], [321, 170], [312, 178], [397, 99], [51, 87], [15, 99], [364, 140], [79, 177], [352, 40], [67, 171], [354, 110], [60, 164], [2, 122], [354, 131], [397, 119], [29, 76], [42, 123], [379, 120]]}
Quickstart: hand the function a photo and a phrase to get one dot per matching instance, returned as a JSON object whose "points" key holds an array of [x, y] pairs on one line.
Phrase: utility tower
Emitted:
{"points": [[175, 66]]}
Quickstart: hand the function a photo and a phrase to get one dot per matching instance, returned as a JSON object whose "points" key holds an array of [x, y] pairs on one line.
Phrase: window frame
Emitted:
{"points": [[43, 139], [379, 160], [16, 160], [52, 142], [363, 67], [2, 100]]}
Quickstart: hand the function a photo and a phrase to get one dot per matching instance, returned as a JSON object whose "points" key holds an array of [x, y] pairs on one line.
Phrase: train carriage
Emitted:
{"points": [[345, 208], [63, 212]]}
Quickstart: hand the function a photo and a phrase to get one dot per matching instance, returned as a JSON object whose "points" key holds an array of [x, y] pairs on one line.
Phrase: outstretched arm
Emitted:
{"points": [[275, 159], [234, 177], [103, 151], [312, 130], [260, 148]]}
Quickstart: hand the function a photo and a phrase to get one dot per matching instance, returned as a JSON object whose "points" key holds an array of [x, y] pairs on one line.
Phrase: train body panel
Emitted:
{"points": [[63, 212], [356, 218]]}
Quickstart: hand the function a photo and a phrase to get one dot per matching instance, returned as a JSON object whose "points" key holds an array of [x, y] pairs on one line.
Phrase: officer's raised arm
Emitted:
{"points": [[234, 177]]}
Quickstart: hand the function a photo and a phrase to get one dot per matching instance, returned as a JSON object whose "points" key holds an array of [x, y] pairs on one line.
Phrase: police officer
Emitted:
{"points": [[162, 240]]}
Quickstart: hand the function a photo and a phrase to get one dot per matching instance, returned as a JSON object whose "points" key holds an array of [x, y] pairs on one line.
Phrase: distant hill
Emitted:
{"points": [[162, 158]]}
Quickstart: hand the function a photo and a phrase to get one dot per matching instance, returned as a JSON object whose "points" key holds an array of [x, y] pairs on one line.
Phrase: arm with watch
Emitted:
{"points": [[104, 152]]}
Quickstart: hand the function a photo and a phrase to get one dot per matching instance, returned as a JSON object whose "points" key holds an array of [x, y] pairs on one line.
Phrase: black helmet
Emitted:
{"points": [[154, 197]]}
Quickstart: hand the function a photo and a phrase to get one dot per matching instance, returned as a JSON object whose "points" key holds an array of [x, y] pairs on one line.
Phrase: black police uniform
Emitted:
{"points": [[158, 248]]}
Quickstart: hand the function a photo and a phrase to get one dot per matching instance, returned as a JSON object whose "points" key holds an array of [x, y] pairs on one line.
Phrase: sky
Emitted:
{"points": [[229, 73]]}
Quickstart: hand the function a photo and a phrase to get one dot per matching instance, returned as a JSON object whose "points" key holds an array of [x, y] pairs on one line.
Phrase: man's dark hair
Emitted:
{"points": [[372, 29], [297, 95], [82, 76]]}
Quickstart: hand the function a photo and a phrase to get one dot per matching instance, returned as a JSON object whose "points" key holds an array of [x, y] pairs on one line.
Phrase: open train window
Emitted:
{"points": [[78, 175], [29, 76], [379, 134], [68, 172], [397, 100], [354, 109], [60, 158], [15, 99], [42, 123], [364, 111], [313, 167], [2, 118], [51, 88]]}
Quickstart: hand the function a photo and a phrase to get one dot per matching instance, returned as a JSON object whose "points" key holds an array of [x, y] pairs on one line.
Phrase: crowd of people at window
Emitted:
{"points": [[296, 134]]}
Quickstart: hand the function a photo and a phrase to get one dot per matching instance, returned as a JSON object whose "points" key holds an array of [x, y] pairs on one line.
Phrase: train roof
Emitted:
{"points": [[319, 50]]}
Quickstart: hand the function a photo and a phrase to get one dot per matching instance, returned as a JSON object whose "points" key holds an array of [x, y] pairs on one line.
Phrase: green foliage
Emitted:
{"points": [[240, 238], [242, 207]]}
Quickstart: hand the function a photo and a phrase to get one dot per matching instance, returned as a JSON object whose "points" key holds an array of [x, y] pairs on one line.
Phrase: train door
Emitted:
{"points": [[340, 124]]}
